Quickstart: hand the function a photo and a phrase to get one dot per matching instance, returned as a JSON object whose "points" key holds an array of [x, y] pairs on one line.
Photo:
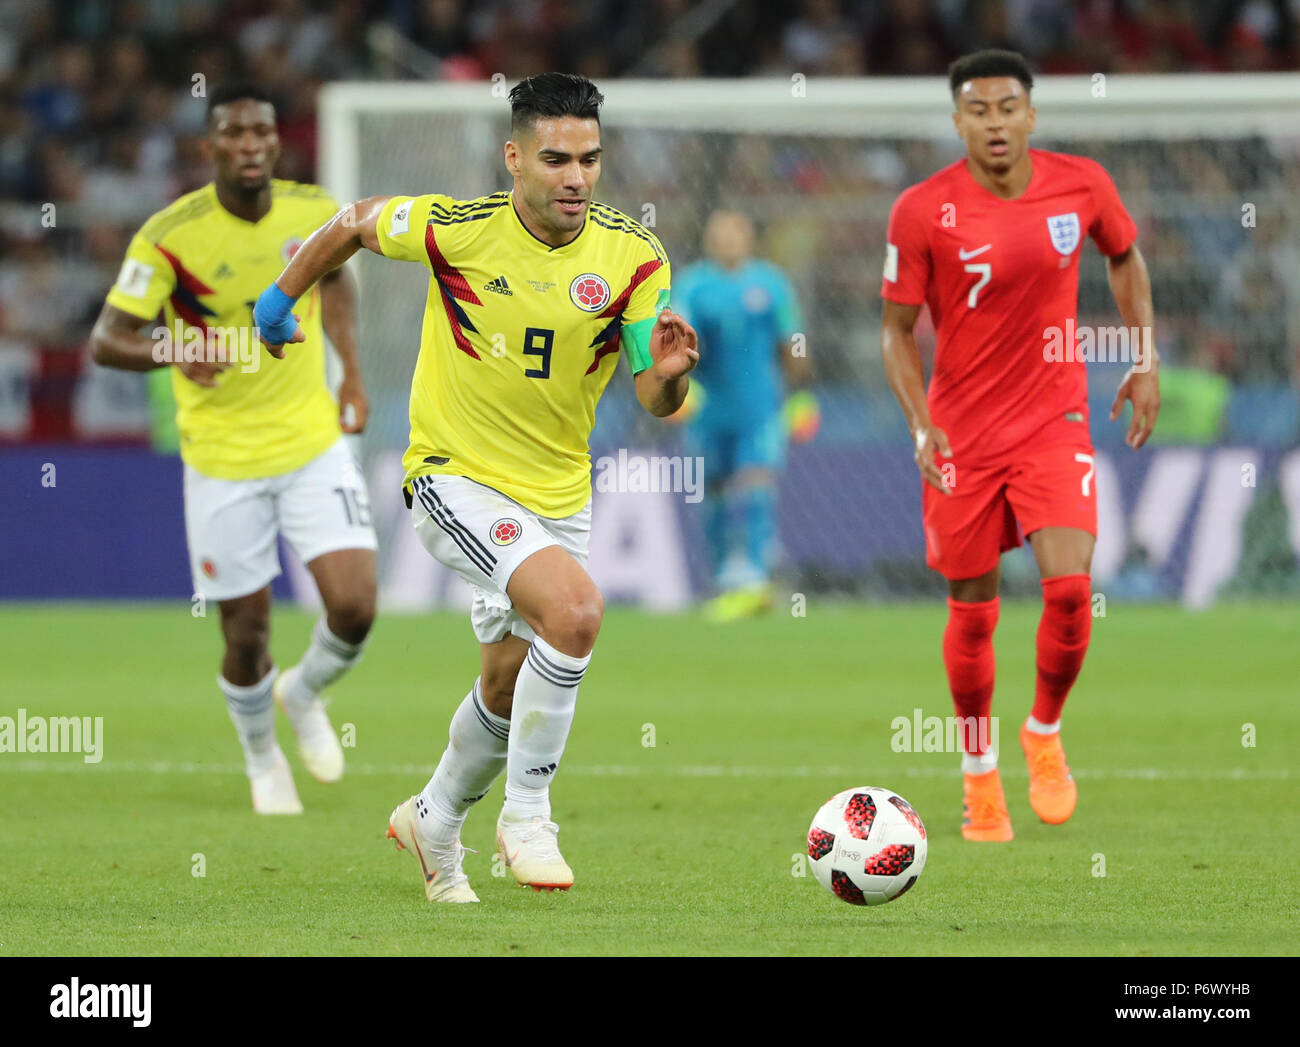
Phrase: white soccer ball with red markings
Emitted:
{"points": [[867, 846]]}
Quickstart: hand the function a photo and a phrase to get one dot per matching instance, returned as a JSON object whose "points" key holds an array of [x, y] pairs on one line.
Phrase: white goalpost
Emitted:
{"points": [[1189, 106]]}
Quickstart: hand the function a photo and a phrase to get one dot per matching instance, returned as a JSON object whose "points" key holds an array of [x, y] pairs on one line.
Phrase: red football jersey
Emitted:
{"points": [[998, 275]]}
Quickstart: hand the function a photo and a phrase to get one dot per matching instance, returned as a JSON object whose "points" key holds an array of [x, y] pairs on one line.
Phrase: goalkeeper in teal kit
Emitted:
{"points": [[746, 312]]}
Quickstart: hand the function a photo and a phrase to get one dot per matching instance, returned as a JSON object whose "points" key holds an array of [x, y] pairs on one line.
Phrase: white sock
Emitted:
{"points": [[1043, 728], [546, 694], [977, 764], [254, 719], [474, 757], [327, 658]]}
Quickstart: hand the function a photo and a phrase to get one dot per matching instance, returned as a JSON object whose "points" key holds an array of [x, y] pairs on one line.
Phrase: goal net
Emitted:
{"points": [[1208, 166]]}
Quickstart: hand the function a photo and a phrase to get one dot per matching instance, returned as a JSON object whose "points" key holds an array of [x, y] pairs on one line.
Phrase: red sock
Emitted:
{"points": [[1063, 636], [968, 657]]}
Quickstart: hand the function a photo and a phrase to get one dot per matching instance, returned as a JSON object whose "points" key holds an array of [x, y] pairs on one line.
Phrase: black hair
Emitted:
{"points": [[553, 94], [236, 92], [990, 62]]}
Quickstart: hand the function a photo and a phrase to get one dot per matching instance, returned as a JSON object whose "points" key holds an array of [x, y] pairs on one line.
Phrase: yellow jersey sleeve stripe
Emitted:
{"points": [[643, 272], [620, 223], [473, 216], [494, 200], [608, 339], [440, 216], [455, 288], [185, 294], [649, 294]]}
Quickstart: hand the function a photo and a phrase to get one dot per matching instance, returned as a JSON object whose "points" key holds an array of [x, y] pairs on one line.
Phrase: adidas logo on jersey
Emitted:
{"points": [[499, 285], [543, 771], [224, 272]]}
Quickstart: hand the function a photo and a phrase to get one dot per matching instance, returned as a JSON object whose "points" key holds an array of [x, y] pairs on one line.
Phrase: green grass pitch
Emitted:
{"points": [[688, 846]]}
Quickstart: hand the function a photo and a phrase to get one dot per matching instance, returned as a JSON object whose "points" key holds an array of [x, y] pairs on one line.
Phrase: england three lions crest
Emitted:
{"points": [[1064, 229]]}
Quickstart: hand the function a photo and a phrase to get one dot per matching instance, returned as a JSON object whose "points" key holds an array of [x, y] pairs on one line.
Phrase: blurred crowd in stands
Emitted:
{"points": [[101, 114]]}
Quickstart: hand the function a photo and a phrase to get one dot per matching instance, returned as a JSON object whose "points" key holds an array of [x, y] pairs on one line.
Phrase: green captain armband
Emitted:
{"points": [[636, 337], [636, 343]]}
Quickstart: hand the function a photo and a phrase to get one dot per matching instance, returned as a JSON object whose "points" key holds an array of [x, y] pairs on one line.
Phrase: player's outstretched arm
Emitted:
{"points": [[354, 227], [338, 296], [674, 348], [1130, 283], [116, 341], [907, 380]]}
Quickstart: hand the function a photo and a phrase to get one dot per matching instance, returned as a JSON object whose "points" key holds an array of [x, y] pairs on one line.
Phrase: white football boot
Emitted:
{"points": [[532, 854], [444, 878], [318, 745], [273, 789]]}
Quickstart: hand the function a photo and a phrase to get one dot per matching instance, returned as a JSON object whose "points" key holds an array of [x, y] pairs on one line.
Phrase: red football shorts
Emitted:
{"points": [[992, 506]]}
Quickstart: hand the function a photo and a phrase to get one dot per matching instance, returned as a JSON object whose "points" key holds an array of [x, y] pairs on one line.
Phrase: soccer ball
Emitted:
{"points": [[867, 845]]}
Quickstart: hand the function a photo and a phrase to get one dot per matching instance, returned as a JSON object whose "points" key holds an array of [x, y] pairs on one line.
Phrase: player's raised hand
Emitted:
{"points": [[674, 346], [354, 408], [276, 323], [1142, 390], [929, 440]]}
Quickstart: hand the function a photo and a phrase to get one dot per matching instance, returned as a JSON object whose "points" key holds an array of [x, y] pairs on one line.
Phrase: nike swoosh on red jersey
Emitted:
{"points": [[967, 255]]}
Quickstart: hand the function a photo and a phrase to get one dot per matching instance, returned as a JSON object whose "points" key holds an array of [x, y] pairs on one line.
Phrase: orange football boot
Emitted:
{"points": [[984, 808], [1052, 792]]}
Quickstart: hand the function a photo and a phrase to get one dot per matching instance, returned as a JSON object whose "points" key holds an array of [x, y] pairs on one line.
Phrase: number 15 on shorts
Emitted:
{"points": [[356, 506]]}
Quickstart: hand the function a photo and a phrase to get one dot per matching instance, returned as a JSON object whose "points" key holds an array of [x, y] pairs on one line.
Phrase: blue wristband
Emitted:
{"points": [[273, 316]]}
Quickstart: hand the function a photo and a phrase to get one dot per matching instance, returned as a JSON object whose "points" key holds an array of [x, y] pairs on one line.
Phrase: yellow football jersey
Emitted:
{"points": [[519, 340], [203, 268]]}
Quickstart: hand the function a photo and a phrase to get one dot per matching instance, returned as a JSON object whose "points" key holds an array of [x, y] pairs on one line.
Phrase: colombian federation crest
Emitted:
{"points": [[505, 531], [1064, 229], [589, 292], [290, 248]]}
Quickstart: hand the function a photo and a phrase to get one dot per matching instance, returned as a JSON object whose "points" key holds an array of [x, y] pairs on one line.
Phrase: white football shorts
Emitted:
{"points": [[232, 525], [483, 536]]}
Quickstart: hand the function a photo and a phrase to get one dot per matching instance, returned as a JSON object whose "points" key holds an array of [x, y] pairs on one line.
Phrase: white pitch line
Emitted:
{"points": [[72, 763]]}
